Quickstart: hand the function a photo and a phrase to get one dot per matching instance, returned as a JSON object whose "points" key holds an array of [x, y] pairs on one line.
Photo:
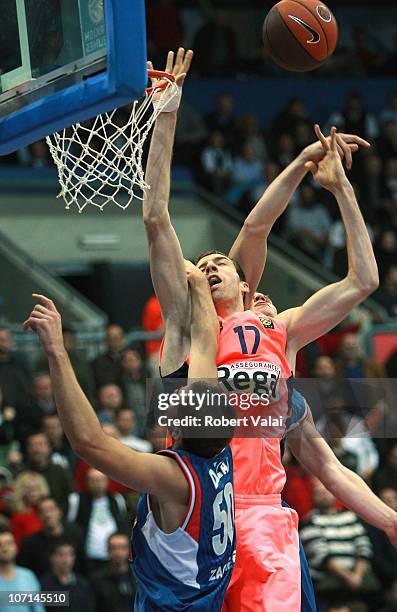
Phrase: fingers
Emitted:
{"points": [[321, 137], [45, 300], [312, 167], [180, 78], [170, 62], [333, 139], [179, 64], [187, 61], [352, 138], [346, 151], [179, 61]]}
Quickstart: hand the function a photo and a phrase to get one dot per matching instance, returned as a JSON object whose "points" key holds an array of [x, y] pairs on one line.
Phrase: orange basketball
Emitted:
{"points": [[300, 35]]}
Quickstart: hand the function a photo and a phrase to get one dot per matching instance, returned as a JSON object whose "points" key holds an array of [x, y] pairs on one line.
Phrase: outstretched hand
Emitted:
{"points": [[347, 144], [179, 67], [46, 321], [329, 171]]}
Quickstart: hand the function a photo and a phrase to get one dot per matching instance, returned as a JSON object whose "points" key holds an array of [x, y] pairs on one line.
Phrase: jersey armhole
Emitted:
{"points": [[191, 482]]}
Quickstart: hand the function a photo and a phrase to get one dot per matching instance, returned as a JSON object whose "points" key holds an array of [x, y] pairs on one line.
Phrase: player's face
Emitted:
{"points": [[263, 305], [222, 277]]}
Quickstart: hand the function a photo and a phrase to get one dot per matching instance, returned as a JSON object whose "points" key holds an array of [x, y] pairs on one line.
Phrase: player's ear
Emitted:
{"points": [[244, 288]]}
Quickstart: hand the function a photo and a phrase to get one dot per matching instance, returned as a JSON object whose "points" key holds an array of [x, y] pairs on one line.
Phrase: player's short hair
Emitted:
{"points": [[212, 440], [239, 269]]}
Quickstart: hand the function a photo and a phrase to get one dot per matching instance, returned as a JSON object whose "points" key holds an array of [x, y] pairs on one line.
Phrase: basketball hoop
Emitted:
{"points": [[100, 161]]}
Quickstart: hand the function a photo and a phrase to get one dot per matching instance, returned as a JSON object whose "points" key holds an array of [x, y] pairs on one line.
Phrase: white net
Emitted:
{"points": [[100, 161]]}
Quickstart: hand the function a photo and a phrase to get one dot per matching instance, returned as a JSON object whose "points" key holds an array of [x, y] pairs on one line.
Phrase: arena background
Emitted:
{"points": [[242, 121]]}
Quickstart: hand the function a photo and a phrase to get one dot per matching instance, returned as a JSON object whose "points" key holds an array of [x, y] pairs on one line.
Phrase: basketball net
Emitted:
{"points": [[100, 161]]}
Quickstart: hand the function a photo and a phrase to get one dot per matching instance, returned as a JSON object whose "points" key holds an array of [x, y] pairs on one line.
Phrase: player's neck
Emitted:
{"points": [[227, 308]]}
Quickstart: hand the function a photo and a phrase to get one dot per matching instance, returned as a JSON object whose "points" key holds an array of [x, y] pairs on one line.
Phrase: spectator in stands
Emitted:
{"points": [[216, 164], [385, 555], [390, 112], [114, 585], [386, 476], [270, 171], [386, 295], [391, 177], [325, 387], [8, 431], [99, 514], [152, 321], [386, 144], [61, 453], [298, 488], [338, 422], [38, 459], [346, 457], [134, 386], [251, 133], [294, 114], [223, 119], [190, 136], [15, 382], [247, 172], [308, 223], [353, 364], [353, 118], [29, 487], [338, 551], [15, 578], [125, 422], [284, 151], [110, 399], [35, 549], [386, 250], [372, 187], [106, 367], [43, 401], [215, 47], [62, 577], [303, 135]]}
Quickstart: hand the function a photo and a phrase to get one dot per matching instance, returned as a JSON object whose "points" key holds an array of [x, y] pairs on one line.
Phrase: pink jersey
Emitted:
{"points": [[251, 357]]}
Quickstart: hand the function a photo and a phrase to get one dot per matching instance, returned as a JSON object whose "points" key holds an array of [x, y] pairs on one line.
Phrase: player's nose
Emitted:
{"points": [[211, 267]]}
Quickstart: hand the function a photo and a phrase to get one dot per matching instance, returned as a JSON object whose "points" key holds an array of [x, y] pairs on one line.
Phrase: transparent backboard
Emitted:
{"points": [[63, 61]]}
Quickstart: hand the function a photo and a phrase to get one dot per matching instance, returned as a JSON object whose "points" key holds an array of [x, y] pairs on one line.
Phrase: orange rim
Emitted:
{"points": [[164, 77]]}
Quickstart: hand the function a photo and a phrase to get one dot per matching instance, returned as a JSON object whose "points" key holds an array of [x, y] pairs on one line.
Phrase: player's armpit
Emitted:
{"points": [[154, 474]]}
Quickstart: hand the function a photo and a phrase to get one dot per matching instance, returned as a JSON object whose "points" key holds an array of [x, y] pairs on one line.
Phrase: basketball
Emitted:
{"points": [[300, 35]]}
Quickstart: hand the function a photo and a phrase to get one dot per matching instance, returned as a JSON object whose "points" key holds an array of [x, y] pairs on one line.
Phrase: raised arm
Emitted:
{"points": [[315, 455], [329, 306], [166, 260], [204, 329], [250, 247], [154, 474]]}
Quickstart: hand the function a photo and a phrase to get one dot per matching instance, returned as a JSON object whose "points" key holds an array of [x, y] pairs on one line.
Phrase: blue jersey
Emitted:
{"points": [[190, 568]]}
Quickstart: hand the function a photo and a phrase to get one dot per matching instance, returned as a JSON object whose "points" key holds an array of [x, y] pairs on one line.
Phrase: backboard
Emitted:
{"points": [[65, 61]]}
